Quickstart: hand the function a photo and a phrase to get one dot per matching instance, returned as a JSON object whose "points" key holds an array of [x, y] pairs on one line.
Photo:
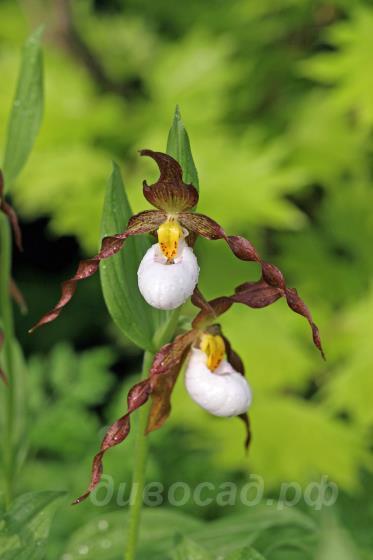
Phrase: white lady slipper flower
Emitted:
{"points": [[213, 383], [168, 272], [167, 276]]}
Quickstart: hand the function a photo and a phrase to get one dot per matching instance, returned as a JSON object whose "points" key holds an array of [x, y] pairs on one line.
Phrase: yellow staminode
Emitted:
{"points": [[169, 235], [214, 347]]}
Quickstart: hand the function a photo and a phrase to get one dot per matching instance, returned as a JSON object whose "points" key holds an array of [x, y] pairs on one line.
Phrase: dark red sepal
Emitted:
{"points": [[117, 432], [259, 294], [256, 295], [234, 359], [18, 297], [163, 376], [246, 420], [160, 383], [242, 248], [199, 300], [169, 193], [151, 218], [298, 306], [202, 225], [145, 222], [207, 315]]}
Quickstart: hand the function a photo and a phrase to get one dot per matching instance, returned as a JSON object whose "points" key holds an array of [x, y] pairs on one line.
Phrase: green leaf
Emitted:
{"points": [[135, 318], [232, 538], [335, 543], [245, 554], [26, 115], [224, 536], [178, 146], [104, 538], [27, 507], [65, 380], [19, 406], [187, 549], [82, 377], [290, 542], [25, 527]]}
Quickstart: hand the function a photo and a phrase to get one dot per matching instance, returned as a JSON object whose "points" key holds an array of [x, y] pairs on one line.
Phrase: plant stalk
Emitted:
{"points": [[167, 330], [6, 310], [139, 468]]}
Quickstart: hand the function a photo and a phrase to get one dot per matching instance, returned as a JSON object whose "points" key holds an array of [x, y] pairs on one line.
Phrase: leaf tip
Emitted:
{"points": [[36, 35], [177, 114], [114, 166]]}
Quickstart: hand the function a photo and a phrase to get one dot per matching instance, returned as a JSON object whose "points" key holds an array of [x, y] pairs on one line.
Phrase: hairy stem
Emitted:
{"points": [[139, 468], [6, 311]]}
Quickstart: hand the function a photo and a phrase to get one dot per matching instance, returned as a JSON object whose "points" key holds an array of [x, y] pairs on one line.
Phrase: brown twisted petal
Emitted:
{"points": [[246, 420], [233, 358], [145, 222], [207, 315], [18, 297], [163, 376], [159, 384], [11, 214], [201, 224], [199, 300], [259, 294], [151, 219], [236, 362], [169, 193], [117, 432], [298, 306]]}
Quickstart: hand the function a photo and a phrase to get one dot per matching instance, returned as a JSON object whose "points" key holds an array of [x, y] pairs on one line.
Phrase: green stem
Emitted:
{"points": [[139, 468], [6, 310], [167, 330]]}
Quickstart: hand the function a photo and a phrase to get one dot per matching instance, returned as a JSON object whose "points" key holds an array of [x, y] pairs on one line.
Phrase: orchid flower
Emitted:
{"points": [[169, 271], [214, 379], [214, 373]]}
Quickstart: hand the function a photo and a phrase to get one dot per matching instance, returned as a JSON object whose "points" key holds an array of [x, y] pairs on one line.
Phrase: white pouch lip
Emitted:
{"points": [[223, 392], [167, 285]]}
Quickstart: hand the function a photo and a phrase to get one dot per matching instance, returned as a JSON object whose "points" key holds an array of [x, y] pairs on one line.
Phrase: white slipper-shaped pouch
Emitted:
{"points": [[169, 271], [222, 392]]}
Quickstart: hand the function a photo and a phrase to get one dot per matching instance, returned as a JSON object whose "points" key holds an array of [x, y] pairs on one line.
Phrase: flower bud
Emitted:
{"points": [[222, 392]]}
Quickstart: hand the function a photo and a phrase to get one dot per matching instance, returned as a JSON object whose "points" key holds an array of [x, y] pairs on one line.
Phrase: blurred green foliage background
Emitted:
{"points": [[277, 99]]}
